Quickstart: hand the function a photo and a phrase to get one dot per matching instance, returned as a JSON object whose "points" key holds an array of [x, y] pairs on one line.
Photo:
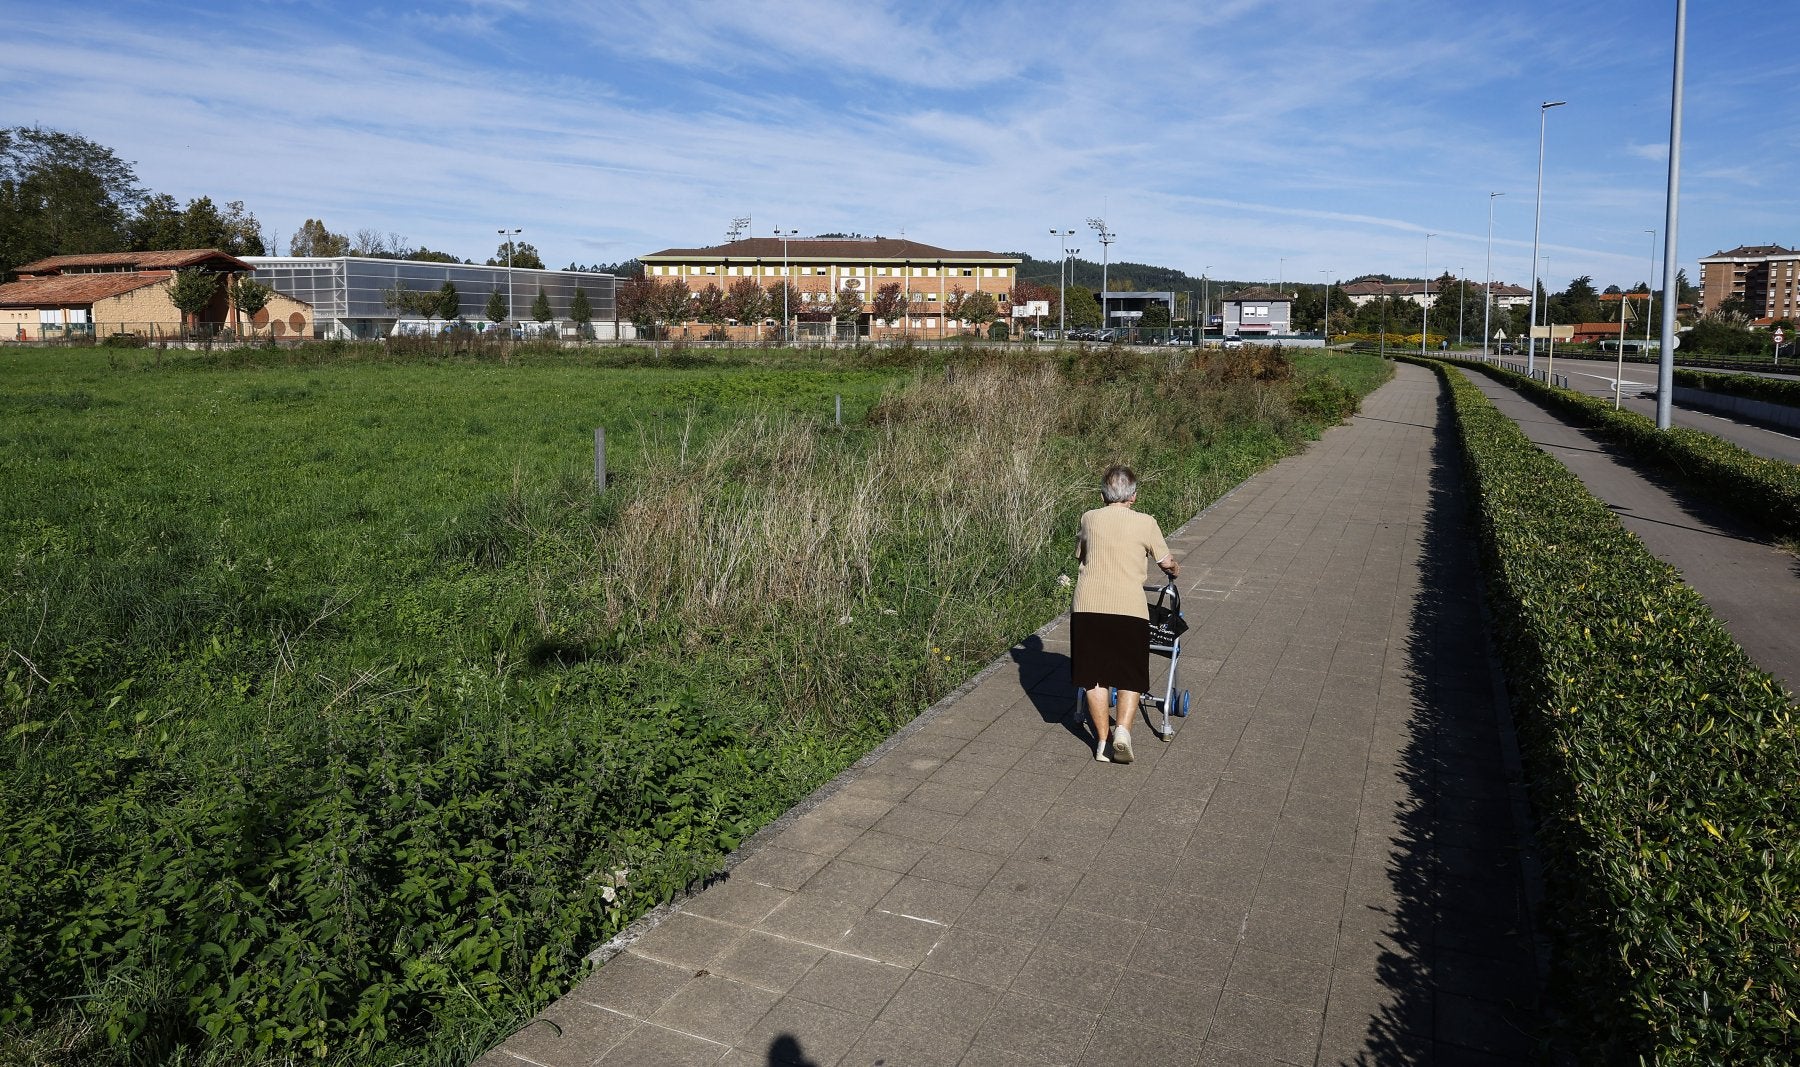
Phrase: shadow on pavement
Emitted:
{"points": [[785, 1051], [1457, 962], [1044, 677]]}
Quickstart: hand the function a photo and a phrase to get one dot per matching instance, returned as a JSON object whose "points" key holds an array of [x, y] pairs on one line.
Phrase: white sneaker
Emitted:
{"points": [[1100, 752], [1121, 742]]}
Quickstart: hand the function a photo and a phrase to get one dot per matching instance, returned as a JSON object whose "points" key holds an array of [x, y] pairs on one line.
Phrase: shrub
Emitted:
{"points": [[1750, 386], [1662, 766]]}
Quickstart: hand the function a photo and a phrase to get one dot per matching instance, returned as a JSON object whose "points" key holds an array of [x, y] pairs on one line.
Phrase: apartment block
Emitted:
{"points": [[1764, 277]]}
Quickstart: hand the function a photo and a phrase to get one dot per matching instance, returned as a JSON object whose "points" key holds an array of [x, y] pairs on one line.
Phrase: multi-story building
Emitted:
{"points": [[349, 294], [1258, 311], [1765, 278], [1367, 290], [820, 268]]}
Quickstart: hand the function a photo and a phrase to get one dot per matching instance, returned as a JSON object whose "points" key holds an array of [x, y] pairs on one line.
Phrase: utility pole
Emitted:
{"points": [[509, 235], [1106, 240], [1062, 285]]}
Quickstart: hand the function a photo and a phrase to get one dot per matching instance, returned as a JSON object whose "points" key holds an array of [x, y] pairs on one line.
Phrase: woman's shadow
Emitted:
{"points": [[1044, 676]]}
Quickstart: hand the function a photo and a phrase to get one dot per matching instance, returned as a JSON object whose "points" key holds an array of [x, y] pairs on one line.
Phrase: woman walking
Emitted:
{"points": [[1109, 631]]}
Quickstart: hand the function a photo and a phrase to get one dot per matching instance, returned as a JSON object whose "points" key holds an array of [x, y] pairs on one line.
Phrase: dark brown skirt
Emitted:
{"points": [[1110, 650]]}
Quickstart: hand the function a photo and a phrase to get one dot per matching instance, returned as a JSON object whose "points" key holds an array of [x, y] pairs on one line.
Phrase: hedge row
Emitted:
{"points": [[1664, 769], [1763, 491], [1750, 386]]}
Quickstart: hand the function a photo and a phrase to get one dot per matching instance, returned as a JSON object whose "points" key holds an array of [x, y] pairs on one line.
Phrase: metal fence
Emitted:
{"points": [[88, 333]]}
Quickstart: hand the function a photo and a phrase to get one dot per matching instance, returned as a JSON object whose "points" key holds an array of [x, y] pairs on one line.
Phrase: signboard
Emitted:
{"points": [[1030, 308], [1560, 333]]}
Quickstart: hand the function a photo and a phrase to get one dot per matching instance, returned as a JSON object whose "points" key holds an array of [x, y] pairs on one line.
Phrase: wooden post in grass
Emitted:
{"points": [[838, 417], [600, 458]]}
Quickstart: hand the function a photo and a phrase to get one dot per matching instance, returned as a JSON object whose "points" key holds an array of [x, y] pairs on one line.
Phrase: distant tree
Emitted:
{"points": [[847, 307], [1685, 291], [1721, 335], [313, 239], [953, 302], [890, 303], [426, 255], [980, 309], [1156, 316], [747, 302], [157, 225], [496, 306], [523, 255], [540, 307], [636, 302], [192, 290], [161, 225], [1577, 303], [1084, 309], [674, 302], [709, 305], [60, 194], [449, 302], [784, 302], [249, 296], [581, 312]]}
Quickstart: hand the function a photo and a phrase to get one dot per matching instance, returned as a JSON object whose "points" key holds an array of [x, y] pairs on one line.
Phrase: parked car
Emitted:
{"points": [[1105, 335], [1234, 341], [1036, 335]]}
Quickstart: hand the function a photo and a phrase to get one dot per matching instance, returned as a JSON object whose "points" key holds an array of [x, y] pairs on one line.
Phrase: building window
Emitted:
{"points": [[712, 270], [932, 297]]}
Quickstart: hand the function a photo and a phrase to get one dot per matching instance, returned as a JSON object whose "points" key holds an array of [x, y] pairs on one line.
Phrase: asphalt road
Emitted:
{"points": [[1596, 377]]}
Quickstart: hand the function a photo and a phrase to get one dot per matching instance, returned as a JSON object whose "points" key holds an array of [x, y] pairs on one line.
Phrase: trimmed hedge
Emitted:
{"points": [[1764, 491], [1664, 769], [1750, 386]]}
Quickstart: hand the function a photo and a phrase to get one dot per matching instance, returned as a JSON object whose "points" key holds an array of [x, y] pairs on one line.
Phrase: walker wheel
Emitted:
{"points": [[1181, 709]]}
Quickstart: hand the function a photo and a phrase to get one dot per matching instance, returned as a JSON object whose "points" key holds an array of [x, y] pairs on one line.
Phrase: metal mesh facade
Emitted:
{"points": [[348, 293]]}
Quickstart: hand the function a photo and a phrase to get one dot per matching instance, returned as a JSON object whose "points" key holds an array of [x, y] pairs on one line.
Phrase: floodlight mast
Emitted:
{"points": [[1062, 284], [1106, 240], [509, 235]]}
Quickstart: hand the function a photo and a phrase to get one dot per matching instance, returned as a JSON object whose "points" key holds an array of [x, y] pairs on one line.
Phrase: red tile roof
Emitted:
{"points": [[75, 289], [173, 260], [828, 248]]}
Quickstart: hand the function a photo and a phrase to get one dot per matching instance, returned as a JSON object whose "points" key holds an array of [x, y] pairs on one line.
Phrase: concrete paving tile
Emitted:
{"points": [[816, 920], [1060, 758], [996, 836], [919, 824], [1266, 1027], [992, 753], [1195, 916], [946, 863], [656, 1046], [967, 773], [1048, 844], [769, 962], [850, 983], [950, 799], [1292, 863], [736, 900], [799, 1033], [1072, 980], [851, 882], [929, 899], [972, 956], [887, 1044], [716, 1008], [1169, 1005], [783, 868], [941, 1005], [1004, 913], [688, 940], [632, 985], [1198, 960], [851, 809], [1325, 835], [1154, 869], [1307, 901], [983, 1056], [1122, 1042], [886, 851], [1281, 931], [1109, 895], [870, 783], [895, 939], [1095, 935], [1038, 1029], [1284, 979], [570, 1033], [817, 835]]}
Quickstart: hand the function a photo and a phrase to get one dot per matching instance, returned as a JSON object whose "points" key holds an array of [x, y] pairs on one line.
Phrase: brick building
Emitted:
{"points": [[108, 293], [819, 268], [1766, 278]]}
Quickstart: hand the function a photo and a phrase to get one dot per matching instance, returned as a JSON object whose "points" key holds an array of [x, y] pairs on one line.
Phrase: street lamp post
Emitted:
{"points": [[1205, 302], [1649, 292], [1462, 298], [1665, 358], [1325, 315], [1106, 240], [1425, 296], [1487, 287], [787, 286], [1537, 221], [509, 235], [1062, 285]]}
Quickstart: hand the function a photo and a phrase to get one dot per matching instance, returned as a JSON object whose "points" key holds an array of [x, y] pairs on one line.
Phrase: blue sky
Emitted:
{"points": [[1265, 139]]}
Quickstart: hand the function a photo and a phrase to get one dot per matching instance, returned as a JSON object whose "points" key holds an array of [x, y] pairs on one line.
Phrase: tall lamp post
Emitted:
{"points": [[787, 286], [1649, 292], [1665, 359], [1487, 287], [1106, 240], [1462, 298], [1425, 296], [509, 235], [1325, 316], [1205, 302], [1062, 285], [1537, 221]]}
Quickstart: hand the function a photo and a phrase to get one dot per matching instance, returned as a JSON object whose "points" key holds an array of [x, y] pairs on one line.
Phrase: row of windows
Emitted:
{"points": [[670, 271]]}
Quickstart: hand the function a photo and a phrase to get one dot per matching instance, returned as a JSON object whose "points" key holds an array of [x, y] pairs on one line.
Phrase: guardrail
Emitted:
{"points": [[1561, 381]]}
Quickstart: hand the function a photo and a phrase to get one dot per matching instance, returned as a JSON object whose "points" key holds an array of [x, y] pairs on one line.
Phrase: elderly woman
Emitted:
{"points": [[1109, 632]]}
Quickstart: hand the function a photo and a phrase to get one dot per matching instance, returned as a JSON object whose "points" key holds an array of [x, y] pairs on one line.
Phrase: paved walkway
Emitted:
{"points": [[1752, 585], [1321, 868]]}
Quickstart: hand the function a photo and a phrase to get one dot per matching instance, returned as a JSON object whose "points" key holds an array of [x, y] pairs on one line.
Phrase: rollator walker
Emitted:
{"points": [[1166, 627]]}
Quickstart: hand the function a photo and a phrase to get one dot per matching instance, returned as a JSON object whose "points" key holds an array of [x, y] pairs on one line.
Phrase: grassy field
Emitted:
{"points": [[342, 716]]}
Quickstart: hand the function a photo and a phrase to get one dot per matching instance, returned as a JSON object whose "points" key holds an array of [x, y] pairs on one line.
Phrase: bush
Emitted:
{"points": [[1749, 386], [1764, 491], [998, 331], [1663, 768]]}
